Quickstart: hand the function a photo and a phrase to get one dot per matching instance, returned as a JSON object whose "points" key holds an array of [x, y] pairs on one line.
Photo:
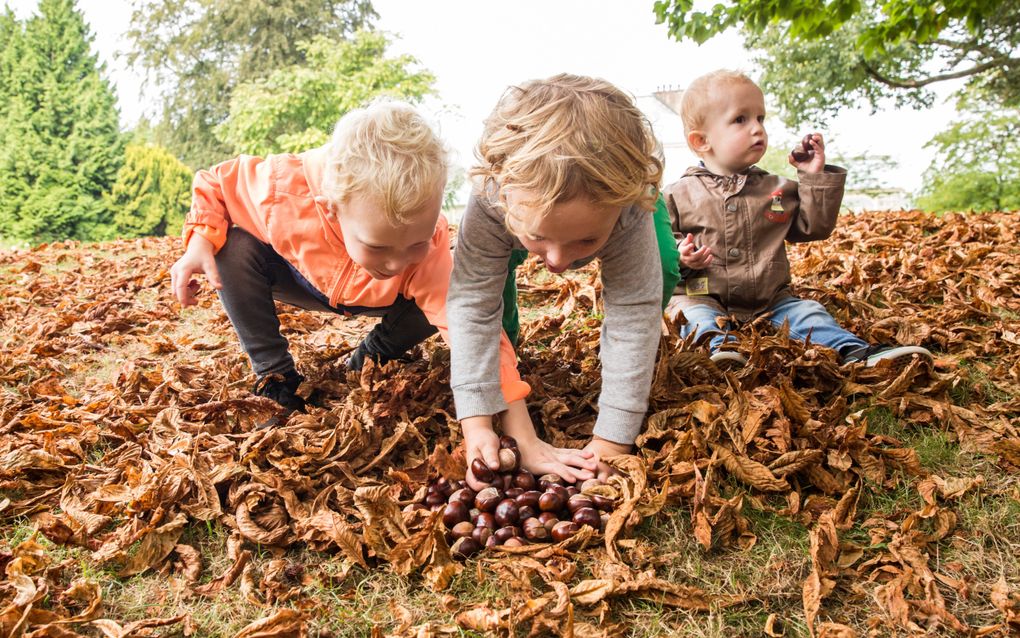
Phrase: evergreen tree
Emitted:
{"points": [[60, 146], [152, 194]]}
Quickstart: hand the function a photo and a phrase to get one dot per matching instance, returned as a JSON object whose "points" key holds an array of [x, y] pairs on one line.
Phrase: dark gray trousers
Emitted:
{"points": [[253, 275]]}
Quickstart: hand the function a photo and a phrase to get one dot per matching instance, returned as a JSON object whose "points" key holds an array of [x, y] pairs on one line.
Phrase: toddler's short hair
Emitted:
{"points": [[697, 100], [385, 151], [570, 136]]}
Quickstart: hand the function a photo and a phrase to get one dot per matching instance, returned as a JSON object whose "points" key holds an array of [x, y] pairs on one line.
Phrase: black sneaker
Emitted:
{"points": [[281, 388], [872, 355]]}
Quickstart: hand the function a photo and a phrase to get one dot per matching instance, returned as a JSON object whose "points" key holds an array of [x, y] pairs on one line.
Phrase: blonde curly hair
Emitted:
{"points": [[699, 99], [386, 151], [565, 137]]}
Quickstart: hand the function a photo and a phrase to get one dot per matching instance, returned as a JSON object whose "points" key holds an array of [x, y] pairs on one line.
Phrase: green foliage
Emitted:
{"points": [[977, 165], [819, 57], [60, 146], [455, 181], [152, 193], [296, 107], [197, 51]]}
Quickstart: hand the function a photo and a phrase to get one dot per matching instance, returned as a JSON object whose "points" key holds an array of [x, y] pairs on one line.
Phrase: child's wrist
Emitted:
{"points": [[474, 424]]}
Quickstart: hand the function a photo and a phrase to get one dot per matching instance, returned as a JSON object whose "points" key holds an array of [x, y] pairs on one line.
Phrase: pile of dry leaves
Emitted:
{"points": [[124, 465]]}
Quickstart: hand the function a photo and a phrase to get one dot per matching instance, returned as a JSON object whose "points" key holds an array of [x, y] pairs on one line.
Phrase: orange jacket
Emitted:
{"points": [[273, 199]]}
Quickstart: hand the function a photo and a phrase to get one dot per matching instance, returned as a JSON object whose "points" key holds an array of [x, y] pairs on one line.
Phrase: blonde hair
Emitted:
{"points": [[699, 98], [385, 151], [569, 136]]}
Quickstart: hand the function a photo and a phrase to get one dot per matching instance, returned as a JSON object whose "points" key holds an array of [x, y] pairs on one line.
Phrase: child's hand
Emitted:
{"points": [[817, 162], [198, 258], [693, 257], [602, 448], [539, 457], [480, 441]]}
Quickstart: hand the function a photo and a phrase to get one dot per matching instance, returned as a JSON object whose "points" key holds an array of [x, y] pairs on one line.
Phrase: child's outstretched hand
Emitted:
{"points": [[198, 258], [815, 163], [602, 448], [693, 257], [480, 442]]}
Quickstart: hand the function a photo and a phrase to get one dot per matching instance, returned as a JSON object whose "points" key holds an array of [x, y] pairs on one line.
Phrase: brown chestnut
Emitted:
{"points": [[803, 151], [571, 490], [525, 480], [534, 530], [588, 516], [442, 486], [462, 529], [488, 499], [507, 442], [602, 502], [590, 483], [482, 472], [509, 459], [455, 512], [577, 501], [465, 495], [434, 497], [516, 541], [563, 530], [529, 498], [526, 511], [546, 480], [465, 547], [491, 542], [507, 512], [506, 481], [550, 502], [481, 535], [504, 533], [604, 516], [485, 519], [514, 492]]}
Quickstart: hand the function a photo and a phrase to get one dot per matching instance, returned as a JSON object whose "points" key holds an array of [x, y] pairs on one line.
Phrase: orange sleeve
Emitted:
{"points": [[428, 285], [237, 191]]}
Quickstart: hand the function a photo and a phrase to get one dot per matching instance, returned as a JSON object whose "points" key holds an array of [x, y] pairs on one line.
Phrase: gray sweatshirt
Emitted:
{"points": [[632, 294]]}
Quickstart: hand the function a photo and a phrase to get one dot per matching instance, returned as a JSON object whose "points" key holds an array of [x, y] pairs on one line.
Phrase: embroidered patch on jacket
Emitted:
{"points": [[696, 286], [775, 212]]}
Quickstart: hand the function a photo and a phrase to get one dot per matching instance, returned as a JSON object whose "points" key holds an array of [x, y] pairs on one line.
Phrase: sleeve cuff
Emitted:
{"points": [[830, 176], [618, 426], [483, 399]]}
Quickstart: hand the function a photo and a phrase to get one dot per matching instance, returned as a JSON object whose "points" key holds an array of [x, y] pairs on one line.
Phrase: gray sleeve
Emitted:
{"points": [[821, 195], [632, 292], [474, 309]]}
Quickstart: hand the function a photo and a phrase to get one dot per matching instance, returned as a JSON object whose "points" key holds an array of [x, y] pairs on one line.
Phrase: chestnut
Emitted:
{"points": [[455, 512], [526, 511], [602, 502], [506, 481], [550, 502], [507, 442], [559, 489], [588, 516], [485, 519], [465, 547], [491, 541], [525, 480], [503, 534], [577, 501], [507, 512], [462, 529], [604, 516], [564, 530], [482, 472], [803, 151], [465, 495], [434, 497], [590, 483], [546, 480], [548, 519], [534, 530], [514, 492], [529, 498], [515, 542], [571, 490], [481, 535], [509, 459], [488, 499], [442, 485]]}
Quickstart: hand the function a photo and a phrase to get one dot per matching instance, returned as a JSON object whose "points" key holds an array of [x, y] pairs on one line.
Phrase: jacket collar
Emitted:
{"points": [[728, 184]]}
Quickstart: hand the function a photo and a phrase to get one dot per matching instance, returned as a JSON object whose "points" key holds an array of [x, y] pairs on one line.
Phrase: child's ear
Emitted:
{"points": [[697, 142]]}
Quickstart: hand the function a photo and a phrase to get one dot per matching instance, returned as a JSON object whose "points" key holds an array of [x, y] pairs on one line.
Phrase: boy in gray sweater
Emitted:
{"points": [[569, 171]]}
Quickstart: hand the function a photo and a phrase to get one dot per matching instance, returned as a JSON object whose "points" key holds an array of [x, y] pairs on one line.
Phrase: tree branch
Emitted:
{"points": [[918, 83]]}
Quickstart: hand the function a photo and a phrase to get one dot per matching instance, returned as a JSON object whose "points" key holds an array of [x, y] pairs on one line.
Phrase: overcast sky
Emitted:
{"points": [[476, 48]]}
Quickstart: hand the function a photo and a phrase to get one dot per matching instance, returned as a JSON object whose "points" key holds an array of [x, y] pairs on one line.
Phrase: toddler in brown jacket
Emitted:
{"points": [[732, 221]]}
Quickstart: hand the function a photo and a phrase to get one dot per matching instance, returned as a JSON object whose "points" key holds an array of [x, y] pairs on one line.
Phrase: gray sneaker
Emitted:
{"points": [[899, 356], [728, 360]]}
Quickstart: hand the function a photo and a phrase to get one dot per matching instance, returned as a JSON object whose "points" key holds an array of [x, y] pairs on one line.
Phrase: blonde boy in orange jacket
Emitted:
{"points": [[352, 228]]}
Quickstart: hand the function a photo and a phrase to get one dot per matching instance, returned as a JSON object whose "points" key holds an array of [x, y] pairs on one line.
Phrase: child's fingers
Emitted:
{"points": [[212, 273], [575, 458]]}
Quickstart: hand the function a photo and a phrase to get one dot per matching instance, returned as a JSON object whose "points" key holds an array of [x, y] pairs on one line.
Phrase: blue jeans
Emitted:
{"points": [[806, 318]]}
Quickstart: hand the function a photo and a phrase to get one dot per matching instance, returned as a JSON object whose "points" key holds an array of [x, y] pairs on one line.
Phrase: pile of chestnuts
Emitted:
{"points": [[516, 508]]}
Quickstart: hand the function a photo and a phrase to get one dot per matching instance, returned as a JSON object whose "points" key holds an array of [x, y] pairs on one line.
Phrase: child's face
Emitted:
{"points": [[382, 249], [734, 135], [571, 230]]}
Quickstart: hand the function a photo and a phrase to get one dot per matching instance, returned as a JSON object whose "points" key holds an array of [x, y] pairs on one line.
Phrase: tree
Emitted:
{"points": [[295, 108], [819, 57], [152, 193], [60, 144], [197, 51], [977, 164]]}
